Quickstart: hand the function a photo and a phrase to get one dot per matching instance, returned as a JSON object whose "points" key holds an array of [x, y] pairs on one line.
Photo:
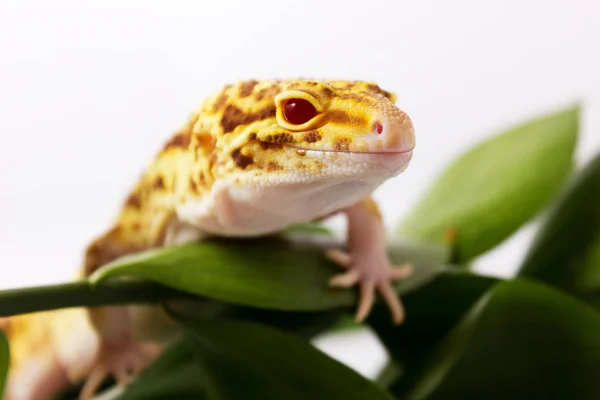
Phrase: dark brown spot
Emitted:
{"points": [[312, 136], [180, 140], [134, 201], [136, 226], [273, 166], [202, 177], [212, 161], [280, 138], [233, 117], [327, 92], [241, 160], [246, 88], [252, 136], [377, 89], [270, 146], [105, 249], [357, 98], [206, 142], [220, 102], [193, 186], [341, 144], [159, 183], [309, 92], [342, 117], [268, 92]]}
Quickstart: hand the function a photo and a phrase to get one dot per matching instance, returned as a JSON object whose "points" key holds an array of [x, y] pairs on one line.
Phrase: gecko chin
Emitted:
{"points": [[318, 184], [307, 184]]}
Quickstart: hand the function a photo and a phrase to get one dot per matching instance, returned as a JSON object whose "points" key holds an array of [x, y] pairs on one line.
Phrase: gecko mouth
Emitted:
{"points": [[379, 152], [354, 163]]}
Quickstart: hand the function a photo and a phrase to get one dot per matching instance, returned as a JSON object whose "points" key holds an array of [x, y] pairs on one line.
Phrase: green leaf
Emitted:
{"points": [[431, 313], [497, 186], [346, 323], [267, 273], [308, 228], [522, 340], [305, 324], [566, 250], [244, 360], [174, 375], [4, 361]]}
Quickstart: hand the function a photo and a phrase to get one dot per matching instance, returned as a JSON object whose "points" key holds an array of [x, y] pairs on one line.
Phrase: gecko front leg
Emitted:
{"points": [[367, 263], [118, 354]]}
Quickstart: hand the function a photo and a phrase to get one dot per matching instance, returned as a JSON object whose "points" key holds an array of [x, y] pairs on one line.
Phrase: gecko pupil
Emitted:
{"points": [[299, 111]]}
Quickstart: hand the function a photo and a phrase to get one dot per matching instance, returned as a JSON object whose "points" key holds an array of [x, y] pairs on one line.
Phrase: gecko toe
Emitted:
{"points": [[339, 257], [393, 301], [366, 300], [401, 271], [124, 374], [93, 382], [345, 280]]}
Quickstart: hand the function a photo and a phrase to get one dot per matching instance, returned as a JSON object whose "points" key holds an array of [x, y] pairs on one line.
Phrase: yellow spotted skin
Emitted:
{"points": [[240, 133], [238, 137]]}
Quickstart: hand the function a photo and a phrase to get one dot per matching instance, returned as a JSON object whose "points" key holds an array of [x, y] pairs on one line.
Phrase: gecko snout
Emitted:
{"points": [[393, 132]]}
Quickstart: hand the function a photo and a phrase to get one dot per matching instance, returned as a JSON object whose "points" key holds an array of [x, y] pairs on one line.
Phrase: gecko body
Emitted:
{"points": [[254, 158]]}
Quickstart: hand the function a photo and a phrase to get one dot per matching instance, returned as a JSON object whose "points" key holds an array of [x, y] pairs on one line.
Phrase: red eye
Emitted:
{"points": [[299, 111]]}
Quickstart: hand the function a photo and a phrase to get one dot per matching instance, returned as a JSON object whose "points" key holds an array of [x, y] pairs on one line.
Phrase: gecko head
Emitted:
{"points": [[309, 130], [352, 117]]}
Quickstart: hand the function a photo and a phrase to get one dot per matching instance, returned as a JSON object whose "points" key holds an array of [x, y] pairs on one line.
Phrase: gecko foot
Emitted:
{"points": [[371, 273], [123, 361]]}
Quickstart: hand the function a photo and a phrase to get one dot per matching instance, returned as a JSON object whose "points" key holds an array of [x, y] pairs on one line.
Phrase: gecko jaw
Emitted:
{"points": [[359, 163], [357, 152]]}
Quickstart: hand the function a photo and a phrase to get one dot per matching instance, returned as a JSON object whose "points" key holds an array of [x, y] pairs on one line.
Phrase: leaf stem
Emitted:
{"points": [[83, 294]]}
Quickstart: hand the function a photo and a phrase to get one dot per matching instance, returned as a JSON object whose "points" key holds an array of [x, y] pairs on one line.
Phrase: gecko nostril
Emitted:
{"points": [[378, 128]]}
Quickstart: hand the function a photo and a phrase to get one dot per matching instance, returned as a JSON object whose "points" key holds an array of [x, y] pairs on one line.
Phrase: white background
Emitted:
{"points": [[90, 90]]}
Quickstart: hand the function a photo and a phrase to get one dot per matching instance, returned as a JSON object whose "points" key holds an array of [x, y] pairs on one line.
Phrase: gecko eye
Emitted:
{"points": [[299, 111]]}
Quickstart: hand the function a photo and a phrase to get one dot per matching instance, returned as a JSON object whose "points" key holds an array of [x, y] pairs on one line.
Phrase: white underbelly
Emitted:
{"points": [[245, 211]]}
